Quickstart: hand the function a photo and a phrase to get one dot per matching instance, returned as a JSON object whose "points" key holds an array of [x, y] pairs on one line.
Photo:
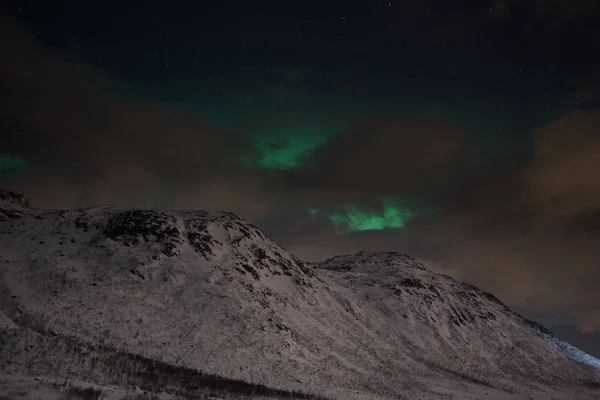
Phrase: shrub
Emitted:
{"points": [[79, 393]]}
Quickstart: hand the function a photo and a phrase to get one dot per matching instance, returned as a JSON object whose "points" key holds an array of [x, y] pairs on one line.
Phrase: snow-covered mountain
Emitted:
{"points": [[210, 291]]}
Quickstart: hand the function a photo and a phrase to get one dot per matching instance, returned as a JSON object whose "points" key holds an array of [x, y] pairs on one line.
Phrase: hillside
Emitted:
{"points": [[210, 291]]}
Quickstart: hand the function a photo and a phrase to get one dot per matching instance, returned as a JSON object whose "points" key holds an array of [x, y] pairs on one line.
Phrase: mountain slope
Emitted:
{"points": [[210, 291]]}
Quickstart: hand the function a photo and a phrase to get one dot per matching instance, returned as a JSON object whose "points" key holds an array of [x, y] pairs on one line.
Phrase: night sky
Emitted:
{"points": [[465, 133]]}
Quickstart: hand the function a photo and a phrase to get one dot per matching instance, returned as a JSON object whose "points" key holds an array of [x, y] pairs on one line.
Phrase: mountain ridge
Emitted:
{"points": [[211, 291]]}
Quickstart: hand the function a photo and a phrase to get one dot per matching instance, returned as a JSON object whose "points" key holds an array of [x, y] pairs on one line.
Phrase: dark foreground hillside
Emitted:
{"points": [[30, 353]]}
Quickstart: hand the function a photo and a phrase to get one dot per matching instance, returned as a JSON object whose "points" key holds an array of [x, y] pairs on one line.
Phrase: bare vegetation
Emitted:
{"points": [[79, 393], [42, 353]]}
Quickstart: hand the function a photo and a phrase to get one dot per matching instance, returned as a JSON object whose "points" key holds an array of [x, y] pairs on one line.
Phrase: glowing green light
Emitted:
{"points": [[149, 205], [314, 212], [393, 215], [11, 163], [287, 148]]}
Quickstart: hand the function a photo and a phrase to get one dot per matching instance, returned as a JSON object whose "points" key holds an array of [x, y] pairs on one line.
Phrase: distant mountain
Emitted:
{"points": [[210, 291]]}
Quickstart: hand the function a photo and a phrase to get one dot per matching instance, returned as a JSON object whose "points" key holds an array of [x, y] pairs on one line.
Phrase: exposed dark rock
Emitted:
{"points": [[304, 267], [138, 273], [9, 198], [134, 227], [474, 290], [538, 327], [83, 222], [412, 282], [488, 316], [199, 237], [12, 205], [8, 214], [492, 298], [251, 270]]}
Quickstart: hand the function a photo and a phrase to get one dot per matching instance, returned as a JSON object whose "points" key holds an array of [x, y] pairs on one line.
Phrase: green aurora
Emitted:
{"points": [[287, 148], [395, 213], [314, 213], [392, 216], [11, 163]]}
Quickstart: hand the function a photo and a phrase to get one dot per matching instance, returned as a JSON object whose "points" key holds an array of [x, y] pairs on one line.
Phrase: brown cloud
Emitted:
{"points": [[563, 183], [546, 273], [384, 156], [72, 113], [246, 194], [89, 142]]}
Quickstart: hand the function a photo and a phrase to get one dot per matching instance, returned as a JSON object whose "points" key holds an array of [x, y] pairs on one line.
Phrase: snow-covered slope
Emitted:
{"points": [[210, 291]]}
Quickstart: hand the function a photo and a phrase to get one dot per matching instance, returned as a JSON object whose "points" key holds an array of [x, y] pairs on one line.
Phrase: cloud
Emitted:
{"points": [[85, 136], [380, 157], [532, 234], [552, 273], [86, 139], [72, 113], [563, 184], [561, 195], [545, 233]]}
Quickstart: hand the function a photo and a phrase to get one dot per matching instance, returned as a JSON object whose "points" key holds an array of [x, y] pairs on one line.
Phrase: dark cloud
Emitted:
{"points": [[381, 157], [562, 184], [71, 112], [87, 140]]}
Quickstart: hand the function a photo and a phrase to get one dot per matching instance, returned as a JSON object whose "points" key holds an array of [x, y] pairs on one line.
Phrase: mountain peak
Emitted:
{"points": [[391, 262]]}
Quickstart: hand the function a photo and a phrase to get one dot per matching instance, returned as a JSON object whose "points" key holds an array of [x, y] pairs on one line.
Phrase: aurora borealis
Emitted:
{"points": [[287, 148], [355, 219], [10, 163], [392, 213], [463, 134]]}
